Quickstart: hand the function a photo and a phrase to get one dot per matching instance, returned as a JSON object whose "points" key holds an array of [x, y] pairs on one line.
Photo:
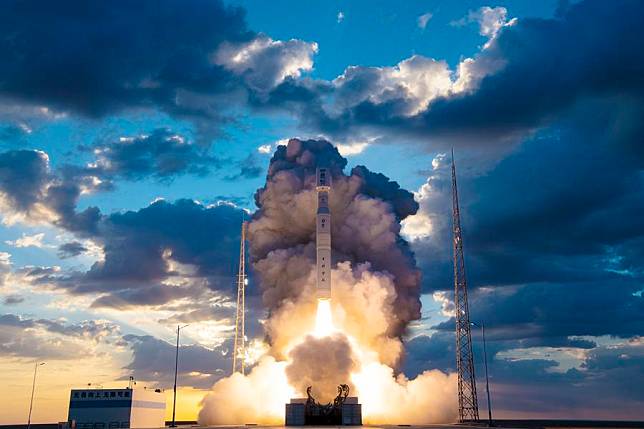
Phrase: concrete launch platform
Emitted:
{"points": [[502, 424]]}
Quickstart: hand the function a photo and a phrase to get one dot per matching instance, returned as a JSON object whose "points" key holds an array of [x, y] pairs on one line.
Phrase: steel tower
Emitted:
{"points": [[239, 348], [468, 408]]}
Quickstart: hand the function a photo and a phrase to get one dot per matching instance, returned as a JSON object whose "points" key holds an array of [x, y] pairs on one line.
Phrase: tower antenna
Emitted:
{"points": [[239, 348], [468, 408]]}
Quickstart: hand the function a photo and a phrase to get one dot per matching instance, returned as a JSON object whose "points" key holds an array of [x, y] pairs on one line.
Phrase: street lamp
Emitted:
{"points": [[176, 367], [487, 380], [33, 389]]}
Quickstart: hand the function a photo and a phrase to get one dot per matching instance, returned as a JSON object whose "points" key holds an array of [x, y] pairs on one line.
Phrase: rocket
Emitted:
{"points": [[323, 234]]}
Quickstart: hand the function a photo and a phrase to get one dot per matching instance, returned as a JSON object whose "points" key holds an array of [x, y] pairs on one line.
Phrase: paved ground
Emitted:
{"points": [[504, 424]]}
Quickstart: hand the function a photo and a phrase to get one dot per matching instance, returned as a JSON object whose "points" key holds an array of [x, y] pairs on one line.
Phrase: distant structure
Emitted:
{"points": [[239, 350], [116, 408], [468, 407]]}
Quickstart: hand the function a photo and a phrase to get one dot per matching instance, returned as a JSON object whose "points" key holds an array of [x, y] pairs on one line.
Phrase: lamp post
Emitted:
{"points": [[33, 389], [176, 367], [487, 380]]}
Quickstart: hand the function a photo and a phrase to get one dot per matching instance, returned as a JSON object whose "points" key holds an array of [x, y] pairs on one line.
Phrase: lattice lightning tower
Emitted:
{"points": [[468, 408], [239, 348]]}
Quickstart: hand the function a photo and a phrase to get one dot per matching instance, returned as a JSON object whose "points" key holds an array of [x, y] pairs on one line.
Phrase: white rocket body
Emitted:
{"points": [[323, 234]]}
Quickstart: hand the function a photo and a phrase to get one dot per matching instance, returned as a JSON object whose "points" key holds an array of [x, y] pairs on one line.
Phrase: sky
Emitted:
{"points": [[134, 136]]}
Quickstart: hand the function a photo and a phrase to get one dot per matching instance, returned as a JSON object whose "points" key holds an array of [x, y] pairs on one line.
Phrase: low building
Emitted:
{"points": [[116, 408]]}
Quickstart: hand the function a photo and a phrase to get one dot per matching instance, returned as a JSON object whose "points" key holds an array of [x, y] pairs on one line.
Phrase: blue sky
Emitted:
{"points": [[132, 138]]}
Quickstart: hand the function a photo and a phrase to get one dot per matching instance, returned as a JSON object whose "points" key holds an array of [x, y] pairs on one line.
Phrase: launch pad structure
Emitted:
{"points": [[239, 347], [468, 408], [345, 410]]}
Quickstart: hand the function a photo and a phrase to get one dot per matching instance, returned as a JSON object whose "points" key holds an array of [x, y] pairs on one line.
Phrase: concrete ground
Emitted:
{"points": [[503, 424]]}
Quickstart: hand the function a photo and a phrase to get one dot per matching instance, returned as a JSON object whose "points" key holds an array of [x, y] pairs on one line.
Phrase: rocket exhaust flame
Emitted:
{"points": [[323, 319]]}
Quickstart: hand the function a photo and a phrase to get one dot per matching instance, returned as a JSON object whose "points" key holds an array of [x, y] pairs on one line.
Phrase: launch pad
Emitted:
{"points": [[345, 410]]}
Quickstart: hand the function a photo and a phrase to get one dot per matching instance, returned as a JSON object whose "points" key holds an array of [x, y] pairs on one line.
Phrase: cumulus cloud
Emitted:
{"points": [[406, 88], [153, 359], [264, 149], [264, 63], [485, 99], [30, 192], [353, 148], [489, 19], [28, 240], [24, 176], [190, 60], [52, 339]]}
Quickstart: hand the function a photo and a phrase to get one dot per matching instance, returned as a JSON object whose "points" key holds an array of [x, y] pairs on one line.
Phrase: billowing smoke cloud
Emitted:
{"points": [[322, 363], [367, 209], [256, 398], [375, 296]]}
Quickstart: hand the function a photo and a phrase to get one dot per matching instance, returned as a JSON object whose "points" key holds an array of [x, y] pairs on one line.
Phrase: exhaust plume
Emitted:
{"points": [[375, 295]]}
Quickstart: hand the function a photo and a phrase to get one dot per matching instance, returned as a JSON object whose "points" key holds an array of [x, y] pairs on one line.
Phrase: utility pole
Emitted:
{"points": [[487, 379], [468, 408], [239, 347], [33, 389], [176, 370]]}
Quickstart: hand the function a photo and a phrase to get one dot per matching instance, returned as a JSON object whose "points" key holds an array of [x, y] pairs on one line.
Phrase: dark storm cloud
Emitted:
{"points": [[249, 168], [24, 175], [13, 300], [141, 247], [30, 190], [96, 58], [178, 57], [591, 50], [62, 198], [161, 154], [71, 249], [598, 386], [153, 359], [540, 314]]}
